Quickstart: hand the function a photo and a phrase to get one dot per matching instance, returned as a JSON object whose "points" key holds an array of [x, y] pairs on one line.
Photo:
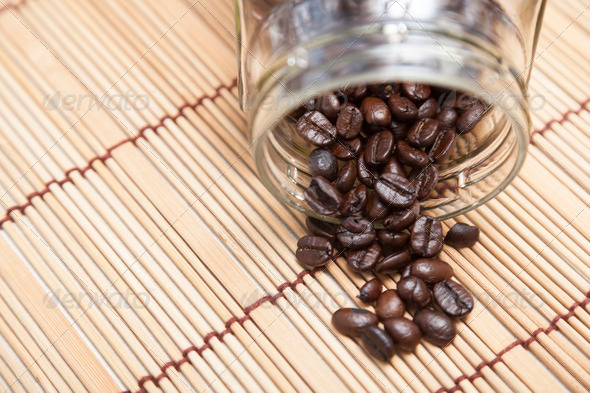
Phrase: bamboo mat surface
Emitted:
{"points": [[140, 253]]}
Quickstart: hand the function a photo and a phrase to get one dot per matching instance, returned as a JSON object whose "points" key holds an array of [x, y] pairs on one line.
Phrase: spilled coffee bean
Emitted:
{"points": [[370, 291], [352, 321], [378, 343], [314, 250], [435, 326], [453, 298], [462, 235]]}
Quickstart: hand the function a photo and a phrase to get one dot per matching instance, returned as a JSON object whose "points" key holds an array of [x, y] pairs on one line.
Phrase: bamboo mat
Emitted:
{"points": [[140, 253]]}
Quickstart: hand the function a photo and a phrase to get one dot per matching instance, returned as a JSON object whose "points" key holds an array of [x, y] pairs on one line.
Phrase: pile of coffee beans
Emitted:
{"points": [[376, 157]]}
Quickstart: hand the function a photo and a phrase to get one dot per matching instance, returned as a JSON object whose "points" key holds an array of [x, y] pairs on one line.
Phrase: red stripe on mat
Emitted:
{"points": [[564, 118]]}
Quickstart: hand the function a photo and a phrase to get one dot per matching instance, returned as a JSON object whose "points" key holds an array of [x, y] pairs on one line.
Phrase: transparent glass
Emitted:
{"points": [[292, 50]]}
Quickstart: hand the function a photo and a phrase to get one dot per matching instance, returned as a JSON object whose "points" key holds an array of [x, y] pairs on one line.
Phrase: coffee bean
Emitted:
{"points": [[366, 175], [378, 343], [453, 298], [399, 129], [416, 91], [423, 133], [424, 180], [384, 90], [405, 333], [346, 177], [314, 250], [443, 146], [350, 122], [405, 272], [435, 326], [430, 271], [320, 228], [316, 129], [355, 232], [393, 240], [447, 117], [402, 108], [375, 112], [352, 321], [370, 291], [428, 109], [356, 93], [395, 190], [346, 150], [413, 290], [354, 201], [364, 259], [394, 262], [470, 117], [379, 148], [406, 154], [376, 209], [329, 105], [426, 239], [389, 305], [322, 197], [462, 235], [323, 163], [402, 219], [393, 166]]}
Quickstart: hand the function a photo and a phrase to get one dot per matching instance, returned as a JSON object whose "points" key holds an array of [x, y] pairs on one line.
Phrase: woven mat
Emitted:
{"points": [[140, 253]]}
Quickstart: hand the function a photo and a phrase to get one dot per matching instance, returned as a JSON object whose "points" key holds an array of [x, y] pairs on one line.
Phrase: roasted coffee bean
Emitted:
{"points": [[322, 197], [378, 343], [379, 148], [430, 271], [356, 93], [428, 109], [346, 150], [435, 326], [364, 259], [453, 298], [375, 112], [447, 117], [393, 166], [366, 174], [443, 146], [329, 105], [354, 201], [316, 129], [416, 91], [352, 321], [370, 291], [462, 235], [395, 190], [323, 163], [423, 133], [470, 117], [320, 228], [406, 154], [314, 250], [394, 262], [376, 209], [413, 290], [384, 90], [394, 241], [399, 129], [355, 232], [402, 108], [350, 122], [405, 272], [405, 333], [426, 239], [346, 177], [389, 305], [424, 180], [402, 219]]}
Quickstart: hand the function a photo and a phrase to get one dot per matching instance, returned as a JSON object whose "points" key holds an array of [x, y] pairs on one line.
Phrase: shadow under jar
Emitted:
{"points": [[294, 51]]}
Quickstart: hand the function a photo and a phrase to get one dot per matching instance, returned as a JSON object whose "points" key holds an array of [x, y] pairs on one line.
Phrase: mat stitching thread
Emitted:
{"points": [[564, 118]]}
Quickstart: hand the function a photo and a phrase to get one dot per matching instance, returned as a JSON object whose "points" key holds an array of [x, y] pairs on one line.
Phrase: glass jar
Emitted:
{"points": [[292, 50]]}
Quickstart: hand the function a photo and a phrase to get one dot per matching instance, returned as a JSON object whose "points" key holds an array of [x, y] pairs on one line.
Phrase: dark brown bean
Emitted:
{"points": [[321, 228], [355, 232], [453, 298], [376, 209], [413, 290], [447, 117], [424, 180], [323, 163], [322, 197], [389, 305], [394, 262], [316, 129], [405, 333], [428, 109], [402, 219], [399, 129], [443, 146], [384, 90], [395, 190], [314, 250], [364, 259], [378, 343], [370, 291], [346, 177], [329, 105], [352, 321], [356, 93], [354, 201], [416, 91], [430, 270], [346, 150], [426, 239], [435, 326], [366, 175], [375, 112], [423, 133], [470, 117], [462, 235], [350, 122], [402, 108], [406, 154], [393, 166], [394, 241], [379, 148]]}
